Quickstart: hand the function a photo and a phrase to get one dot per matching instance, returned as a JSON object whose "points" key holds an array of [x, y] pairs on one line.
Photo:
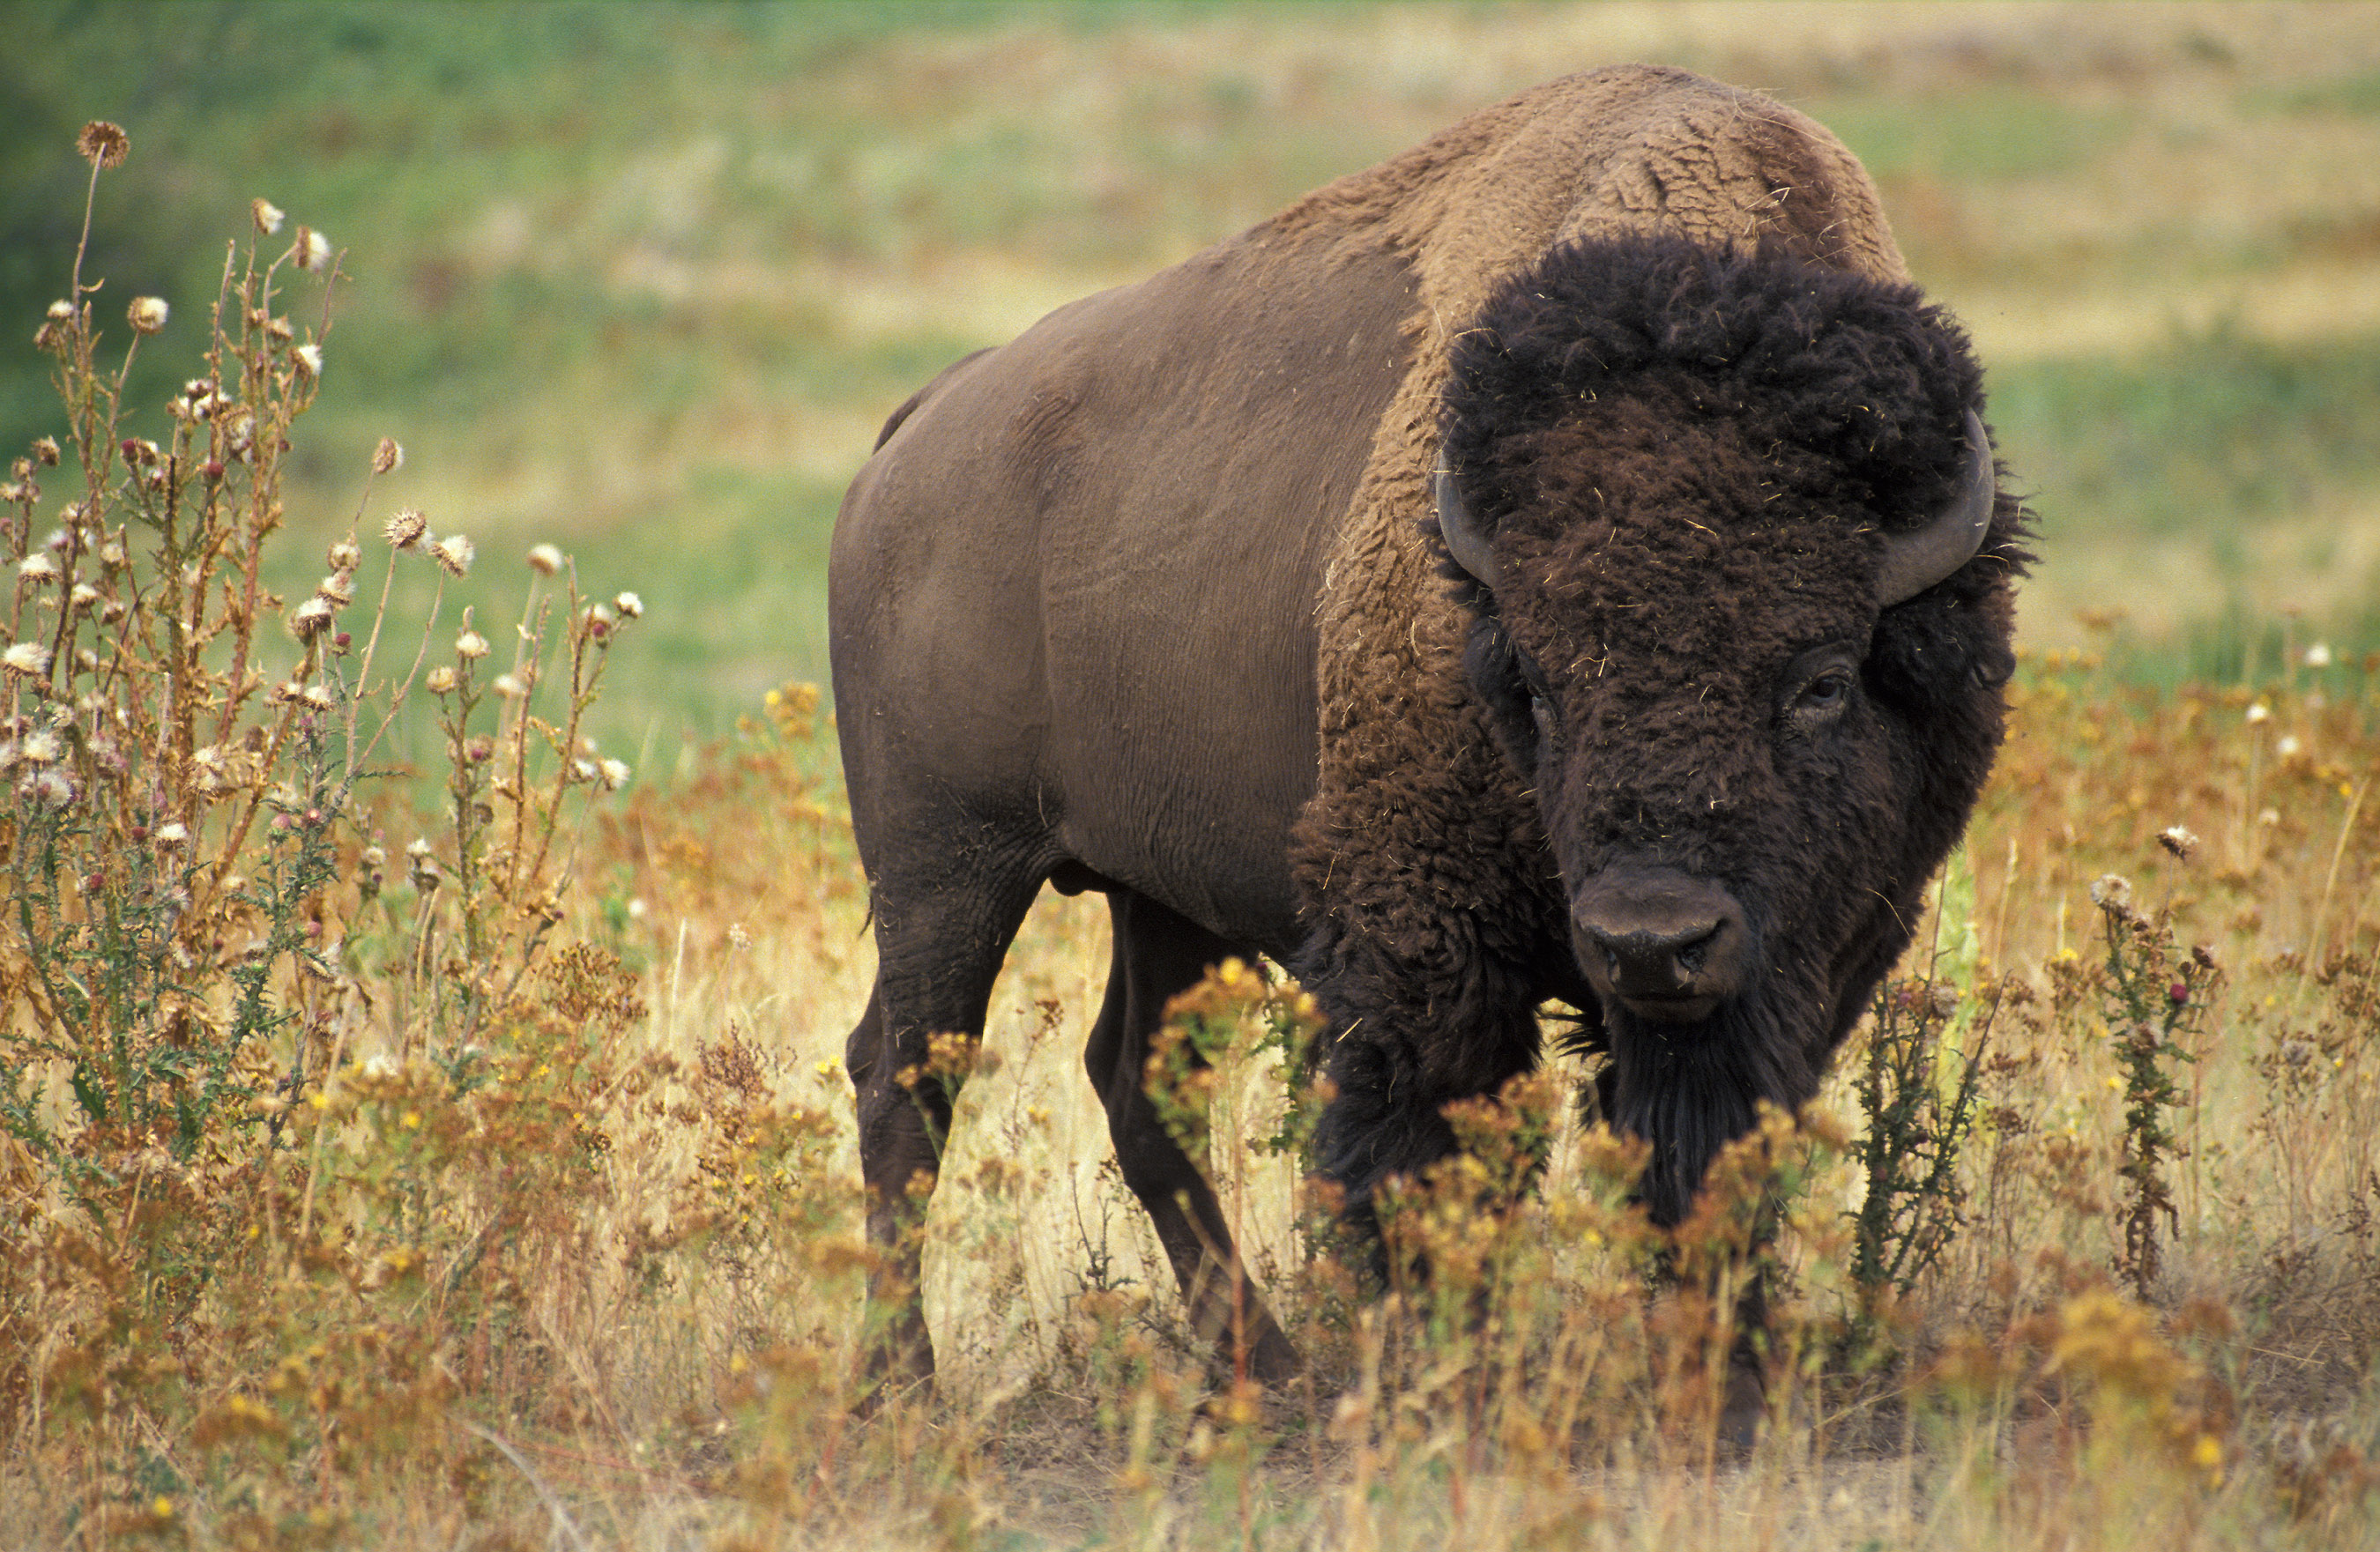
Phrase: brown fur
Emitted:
{"points": [[1631, 149], [1147, 602]]}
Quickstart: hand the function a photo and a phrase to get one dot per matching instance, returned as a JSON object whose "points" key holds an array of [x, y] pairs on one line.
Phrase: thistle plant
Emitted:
{"points": [[195, 926], [1918, 1117], [2153, 998], [173, 802]]}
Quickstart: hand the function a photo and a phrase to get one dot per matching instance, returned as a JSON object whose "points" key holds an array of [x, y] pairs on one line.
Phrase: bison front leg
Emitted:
{"points": [[1411, 1040], [1157, 954]]}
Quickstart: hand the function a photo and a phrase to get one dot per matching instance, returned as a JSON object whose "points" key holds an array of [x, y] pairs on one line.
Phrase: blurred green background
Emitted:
{"points": [[643, 280]]}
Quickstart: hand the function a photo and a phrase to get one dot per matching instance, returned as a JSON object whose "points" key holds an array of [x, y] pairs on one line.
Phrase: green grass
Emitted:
{"points": [[642, 281], [2208, 435], [2001, 132]]}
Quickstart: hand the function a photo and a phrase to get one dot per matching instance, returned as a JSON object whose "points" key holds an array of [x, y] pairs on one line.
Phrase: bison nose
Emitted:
{"points": [[1668, 946]]}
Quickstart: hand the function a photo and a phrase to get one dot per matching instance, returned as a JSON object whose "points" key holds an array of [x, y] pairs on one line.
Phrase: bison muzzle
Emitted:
{"points": [[1564, 561]]}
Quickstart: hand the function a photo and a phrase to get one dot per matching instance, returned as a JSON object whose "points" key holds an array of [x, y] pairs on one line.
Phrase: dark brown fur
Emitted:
{"points": [[1688, 460], [1147, 601]]}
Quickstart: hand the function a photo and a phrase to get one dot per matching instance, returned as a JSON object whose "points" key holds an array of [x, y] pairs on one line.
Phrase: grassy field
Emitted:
{"points": [[501, 1195]]}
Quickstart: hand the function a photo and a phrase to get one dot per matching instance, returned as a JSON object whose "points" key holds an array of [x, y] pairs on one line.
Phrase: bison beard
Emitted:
{"points": [[1698, 691]]}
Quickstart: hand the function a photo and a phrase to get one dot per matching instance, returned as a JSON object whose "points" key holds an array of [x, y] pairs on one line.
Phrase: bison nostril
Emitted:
{"points": [[1667, 945]]}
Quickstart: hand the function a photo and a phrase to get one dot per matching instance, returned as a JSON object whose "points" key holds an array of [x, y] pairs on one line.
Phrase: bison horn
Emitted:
{"points": [[1915, 561], [1455, 525]]}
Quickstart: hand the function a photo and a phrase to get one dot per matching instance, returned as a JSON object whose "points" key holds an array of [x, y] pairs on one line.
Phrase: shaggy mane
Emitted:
{"points": [[1854, 370]]}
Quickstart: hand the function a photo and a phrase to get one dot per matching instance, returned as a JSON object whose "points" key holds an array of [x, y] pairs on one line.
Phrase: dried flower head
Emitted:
{"points": [[172, 834], [83, 597], [48, 788], [343, 555], [439, 679], [544, 560], [38, 569], [267, 215], [61, 311], [2318, 655], [454, 554], [338, 590], [407, 529], [471, 646], [2258, 712], [2289, 746], [310, 359], [509, 685], [312, 618], [25, 660], [388, 456], [630, 606], [148, 314], [2112, 891], [40, 747], [103, 144], [111, 555], [615, 774], [311, 249], [317, 698], [2178, 841], [46, 450]]}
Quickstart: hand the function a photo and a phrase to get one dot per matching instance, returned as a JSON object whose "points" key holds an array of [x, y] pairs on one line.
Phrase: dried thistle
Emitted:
{"points": [[148, 314], [313, 250], [103, 144], [407, 528]]}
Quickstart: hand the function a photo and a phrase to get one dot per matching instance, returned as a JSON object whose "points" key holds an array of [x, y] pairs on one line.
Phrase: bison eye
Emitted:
{"points": [[1827, 682], [1826, 692]]}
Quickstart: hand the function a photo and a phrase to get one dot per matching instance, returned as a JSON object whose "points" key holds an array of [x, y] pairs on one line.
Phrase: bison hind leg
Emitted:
{"points": [[1157, 954], [939, 939]]}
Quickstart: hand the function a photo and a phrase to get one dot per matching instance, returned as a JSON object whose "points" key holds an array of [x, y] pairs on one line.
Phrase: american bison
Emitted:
{"points": [[1564, 560]]}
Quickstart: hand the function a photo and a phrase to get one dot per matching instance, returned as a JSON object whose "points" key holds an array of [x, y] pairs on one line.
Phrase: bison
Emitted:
{"points": [[1563, 561]]}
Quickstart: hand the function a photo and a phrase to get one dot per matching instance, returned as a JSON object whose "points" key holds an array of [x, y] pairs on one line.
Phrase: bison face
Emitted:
{"points": [[1723, 635]]}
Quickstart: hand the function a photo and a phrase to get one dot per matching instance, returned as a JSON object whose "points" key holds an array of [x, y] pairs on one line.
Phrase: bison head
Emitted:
{"points": [[1740, 577]]}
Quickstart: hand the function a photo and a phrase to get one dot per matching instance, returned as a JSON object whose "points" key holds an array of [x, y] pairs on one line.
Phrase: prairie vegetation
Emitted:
{"points": [[410, 1139]]}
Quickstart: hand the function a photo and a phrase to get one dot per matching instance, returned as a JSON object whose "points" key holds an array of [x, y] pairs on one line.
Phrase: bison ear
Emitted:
{"points": [[1460, 531], [1915, 561]]}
